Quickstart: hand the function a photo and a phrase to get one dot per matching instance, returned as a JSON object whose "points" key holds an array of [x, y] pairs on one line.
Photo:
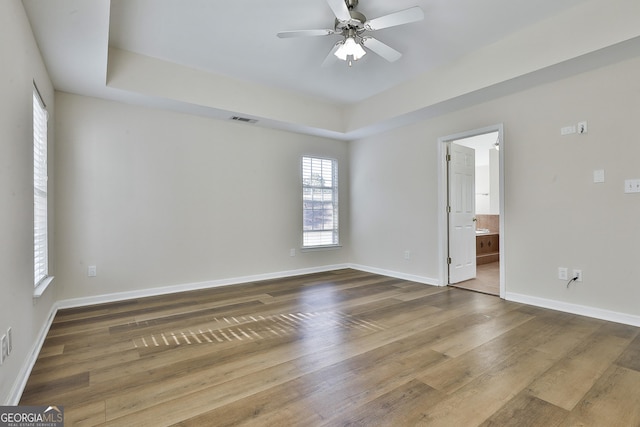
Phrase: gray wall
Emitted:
{"points": [[554, 214], [21, 65], [156, 198]]}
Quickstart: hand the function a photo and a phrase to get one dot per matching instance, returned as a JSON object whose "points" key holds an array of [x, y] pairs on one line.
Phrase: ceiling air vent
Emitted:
{"points": [[243, 119]]}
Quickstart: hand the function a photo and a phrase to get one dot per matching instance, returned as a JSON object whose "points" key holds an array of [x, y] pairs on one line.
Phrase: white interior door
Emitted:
{"points": [[462, 229]]}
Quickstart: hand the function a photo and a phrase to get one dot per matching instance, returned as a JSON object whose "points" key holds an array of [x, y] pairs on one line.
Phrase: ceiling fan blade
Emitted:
{"points": [[331, 58], [340, 9], [388, 53], [304, 33], [406, 16]]}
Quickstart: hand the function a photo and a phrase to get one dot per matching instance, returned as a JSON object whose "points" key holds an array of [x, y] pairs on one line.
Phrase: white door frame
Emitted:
{"points": [[442, 202]]}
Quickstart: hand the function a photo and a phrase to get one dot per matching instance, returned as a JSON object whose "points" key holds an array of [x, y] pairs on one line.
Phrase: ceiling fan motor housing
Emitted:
{"points": [[356, 23], [351, 3]]}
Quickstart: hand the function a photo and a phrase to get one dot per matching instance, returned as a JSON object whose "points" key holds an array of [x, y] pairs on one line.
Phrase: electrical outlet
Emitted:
{"points": [[632, 185], [578, 274], [563, 273], [292, 252], [407, 255], [582, 127], [92, 271]]}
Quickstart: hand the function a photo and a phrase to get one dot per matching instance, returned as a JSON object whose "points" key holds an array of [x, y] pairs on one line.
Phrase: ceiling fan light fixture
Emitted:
{"points": [[341, 53], [348, 48]]}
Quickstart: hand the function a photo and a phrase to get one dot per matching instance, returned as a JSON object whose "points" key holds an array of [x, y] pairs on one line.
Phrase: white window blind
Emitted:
{"points": [[319, 202], [40, 232]]}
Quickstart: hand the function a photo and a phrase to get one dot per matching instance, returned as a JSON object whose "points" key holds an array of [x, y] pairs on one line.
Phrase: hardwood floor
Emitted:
{"points": [[344, 348]]}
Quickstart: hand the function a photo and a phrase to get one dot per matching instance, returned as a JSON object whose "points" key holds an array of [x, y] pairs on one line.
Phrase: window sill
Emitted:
{"points": [[320, 248], [42, 286]]}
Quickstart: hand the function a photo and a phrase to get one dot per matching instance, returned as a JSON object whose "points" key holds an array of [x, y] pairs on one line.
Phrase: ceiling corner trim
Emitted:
{"points": [[144, 75]]}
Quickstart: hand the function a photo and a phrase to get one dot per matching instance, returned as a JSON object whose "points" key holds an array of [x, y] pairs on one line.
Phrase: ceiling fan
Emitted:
{"points": [[353, 26]]}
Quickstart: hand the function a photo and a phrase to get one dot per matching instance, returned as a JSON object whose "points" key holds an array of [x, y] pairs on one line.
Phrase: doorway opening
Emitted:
{"points": [[472, 210]]}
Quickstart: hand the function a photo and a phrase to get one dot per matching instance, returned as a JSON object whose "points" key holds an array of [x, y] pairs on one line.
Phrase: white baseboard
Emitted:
{"points": [[164, 290], [396, 274], [582, 310], [25, 371]]}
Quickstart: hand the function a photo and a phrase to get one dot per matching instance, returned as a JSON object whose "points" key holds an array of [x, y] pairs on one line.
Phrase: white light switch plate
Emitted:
{"points": [[563, 273], [598, 176]]}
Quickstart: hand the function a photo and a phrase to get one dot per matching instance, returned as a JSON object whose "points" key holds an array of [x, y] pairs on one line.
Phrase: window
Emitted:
{"points": [[40, 232], [319, 202]]}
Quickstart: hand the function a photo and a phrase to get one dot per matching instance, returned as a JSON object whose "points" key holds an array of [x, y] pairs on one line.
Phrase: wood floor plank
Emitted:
{"points": [[93, 311], [51, 350], [457, 372], [90, 414], [72, 366], [571, 333], [332, 349], [486, 394], [566, 383], [475, 335], [525, 410], [630, 358], [412, 293], [50, 388], [395, 408], [195, 307], [613, 401]]}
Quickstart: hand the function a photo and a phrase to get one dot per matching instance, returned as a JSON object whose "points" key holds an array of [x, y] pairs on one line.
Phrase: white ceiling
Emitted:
{"points": [[237, 40]]}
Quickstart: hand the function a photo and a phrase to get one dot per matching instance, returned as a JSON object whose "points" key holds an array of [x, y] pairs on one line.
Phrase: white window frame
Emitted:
{"points": [[40, 195], [325, 233]]}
